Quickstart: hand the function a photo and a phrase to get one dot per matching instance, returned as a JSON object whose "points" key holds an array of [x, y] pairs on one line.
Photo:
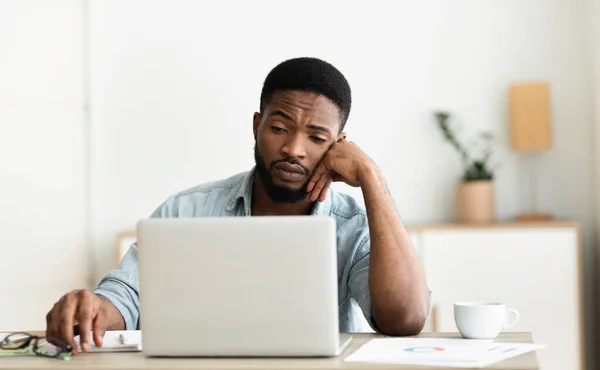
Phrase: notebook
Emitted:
{"points": [[112, 342]]}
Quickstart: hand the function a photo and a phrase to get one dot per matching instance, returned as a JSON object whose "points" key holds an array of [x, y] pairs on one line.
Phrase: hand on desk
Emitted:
{"points": [[88, 311]]}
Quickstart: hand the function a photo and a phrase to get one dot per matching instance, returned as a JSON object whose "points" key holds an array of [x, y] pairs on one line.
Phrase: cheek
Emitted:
{"points": [[315, 154], [267, 143], [269, 148]]}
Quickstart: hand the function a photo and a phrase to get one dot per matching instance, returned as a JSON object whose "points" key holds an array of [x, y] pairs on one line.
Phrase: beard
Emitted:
{"points": [[279, 193]]}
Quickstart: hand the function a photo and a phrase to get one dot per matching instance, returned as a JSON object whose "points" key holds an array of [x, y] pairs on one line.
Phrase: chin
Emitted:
{"points": [[294, 186]]}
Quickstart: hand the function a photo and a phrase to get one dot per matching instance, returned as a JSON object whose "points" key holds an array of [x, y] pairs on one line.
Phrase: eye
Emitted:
{"points": [[317, 139], [278, 129]]}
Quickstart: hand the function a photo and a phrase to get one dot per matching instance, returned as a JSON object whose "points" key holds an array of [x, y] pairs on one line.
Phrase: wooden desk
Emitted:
{"points": [[136, 360]]}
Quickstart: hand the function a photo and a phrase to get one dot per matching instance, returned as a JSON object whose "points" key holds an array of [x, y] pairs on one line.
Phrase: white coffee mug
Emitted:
{"points": [[483, 320]]}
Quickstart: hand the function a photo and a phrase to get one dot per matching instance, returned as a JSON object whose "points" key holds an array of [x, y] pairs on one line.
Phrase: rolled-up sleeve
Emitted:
{"points": [[121, 286]]}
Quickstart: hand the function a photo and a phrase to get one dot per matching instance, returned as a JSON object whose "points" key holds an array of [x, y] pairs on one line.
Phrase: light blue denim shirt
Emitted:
{"points": [[231, 197]]}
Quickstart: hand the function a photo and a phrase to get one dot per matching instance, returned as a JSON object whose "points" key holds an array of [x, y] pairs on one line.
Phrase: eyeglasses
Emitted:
{"points": [[22, 343]]}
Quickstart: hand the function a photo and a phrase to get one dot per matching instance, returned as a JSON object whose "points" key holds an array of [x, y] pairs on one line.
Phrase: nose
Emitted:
{"points": [[293, 147]]}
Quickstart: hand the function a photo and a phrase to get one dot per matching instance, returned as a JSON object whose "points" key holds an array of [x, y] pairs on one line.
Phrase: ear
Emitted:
{"points": [[256, 121], [342, 135]]}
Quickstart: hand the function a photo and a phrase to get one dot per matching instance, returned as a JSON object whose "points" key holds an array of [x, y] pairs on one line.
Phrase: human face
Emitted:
{"points": [[292, 136]]}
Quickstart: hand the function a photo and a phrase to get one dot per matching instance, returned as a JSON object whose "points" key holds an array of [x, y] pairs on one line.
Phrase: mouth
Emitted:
{"points": [[289, 172]]}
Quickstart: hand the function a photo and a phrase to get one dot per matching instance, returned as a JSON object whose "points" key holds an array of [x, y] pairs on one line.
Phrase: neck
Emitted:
{"points": [[262, 205]]}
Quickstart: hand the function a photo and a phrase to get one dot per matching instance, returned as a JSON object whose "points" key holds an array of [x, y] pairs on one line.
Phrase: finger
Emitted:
{"points": [[323, 194], [99, 327], [318, 172], [318, 186], [51, 321], [65, 321], [84, 316]]}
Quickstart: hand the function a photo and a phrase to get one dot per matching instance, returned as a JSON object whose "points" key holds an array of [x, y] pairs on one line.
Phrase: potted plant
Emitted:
{"points": [[475, 193]]}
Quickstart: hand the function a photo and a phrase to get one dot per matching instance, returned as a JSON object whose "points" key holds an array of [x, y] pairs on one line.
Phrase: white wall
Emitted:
{"points": [[174, 86], [43, 207]]}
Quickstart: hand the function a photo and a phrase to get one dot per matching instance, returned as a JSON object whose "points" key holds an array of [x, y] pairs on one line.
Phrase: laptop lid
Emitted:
{"points": [[238, 286]]}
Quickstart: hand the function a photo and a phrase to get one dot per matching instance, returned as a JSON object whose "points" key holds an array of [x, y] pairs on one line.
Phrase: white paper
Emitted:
{"points": [[438, 352], [112, 343], [502, 351]]}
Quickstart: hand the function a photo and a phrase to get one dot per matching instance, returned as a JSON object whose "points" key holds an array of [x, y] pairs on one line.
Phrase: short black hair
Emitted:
{"points": [[309, 74]]}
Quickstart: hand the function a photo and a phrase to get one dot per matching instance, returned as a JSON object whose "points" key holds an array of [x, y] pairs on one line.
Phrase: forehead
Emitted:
{"points": [[305, 104]]}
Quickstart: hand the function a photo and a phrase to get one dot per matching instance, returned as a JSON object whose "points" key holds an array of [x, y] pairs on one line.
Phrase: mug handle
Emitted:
{"points": [[515, 318]]}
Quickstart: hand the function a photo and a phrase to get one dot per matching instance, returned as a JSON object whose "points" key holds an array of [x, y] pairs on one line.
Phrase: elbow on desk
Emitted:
{"points": [[397, 325]]}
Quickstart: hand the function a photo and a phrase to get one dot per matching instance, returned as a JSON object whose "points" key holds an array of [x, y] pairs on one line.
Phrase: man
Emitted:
{"points": [[300, 149]]}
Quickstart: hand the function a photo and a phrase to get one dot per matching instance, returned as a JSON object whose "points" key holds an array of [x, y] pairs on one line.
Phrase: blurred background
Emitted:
{"points": [[108, 107]]}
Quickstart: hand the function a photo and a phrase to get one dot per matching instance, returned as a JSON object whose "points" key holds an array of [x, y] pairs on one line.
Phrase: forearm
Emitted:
{"points": [[399, 294], [114, 319], [123, 304]]}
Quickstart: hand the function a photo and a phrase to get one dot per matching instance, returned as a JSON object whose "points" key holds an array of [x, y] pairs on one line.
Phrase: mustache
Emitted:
{"points": [[290, 161]]}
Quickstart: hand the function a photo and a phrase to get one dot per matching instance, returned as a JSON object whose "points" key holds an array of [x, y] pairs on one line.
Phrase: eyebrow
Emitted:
{"points": [[281, 113], [319, 128], [278, 112]]}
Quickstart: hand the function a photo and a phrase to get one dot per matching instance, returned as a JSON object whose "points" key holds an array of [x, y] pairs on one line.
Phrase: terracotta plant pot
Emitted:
{"points": [[475, 202]]}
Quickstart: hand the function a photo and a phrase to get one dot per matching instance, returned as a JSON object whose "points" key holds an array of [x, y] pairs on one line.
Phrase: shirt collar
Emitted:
{"points": [[244, 192]]}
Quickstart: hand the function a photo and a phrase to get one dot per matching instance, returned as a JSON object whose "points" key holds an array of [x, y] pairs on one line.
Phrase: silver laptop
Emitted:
{"points": [[239, 286]]}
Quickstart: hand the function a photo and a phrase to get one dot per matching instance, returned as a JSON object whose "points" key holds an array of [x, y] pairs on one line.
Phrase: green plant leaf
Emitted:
{"points": [[475, 169]]}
